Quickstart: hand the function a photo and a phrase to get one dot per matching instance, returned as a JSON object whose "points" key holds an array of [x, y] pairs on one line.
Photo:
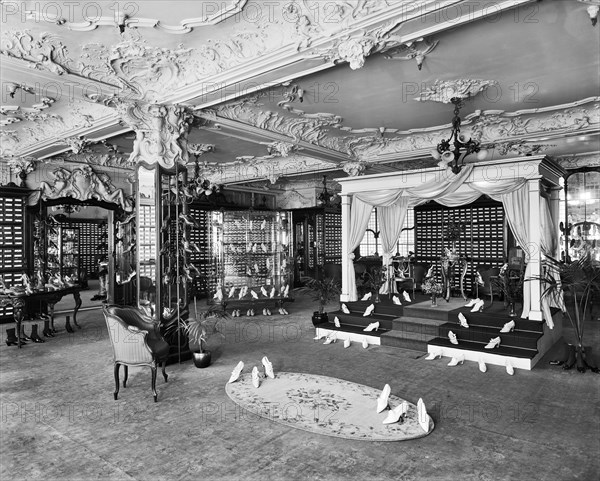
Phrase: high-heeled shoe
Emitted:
{"points": [[472, 302], [463, 320], [478, 306], [366, 297], [268, 367], [11, 338], [331, 338], [347, 343], [460, 359], [482, 366], [383, 399], [422, 415], [47, 332], [509, 367], [433, 355], [395, 414], [406, 296], [345, 309], [369, 310], [396, 300], [255, 377], [235, 374], [365, 343], [509, 326], [494, 342], [336, 322], [372, 327], [452, 337], [35, 337]]}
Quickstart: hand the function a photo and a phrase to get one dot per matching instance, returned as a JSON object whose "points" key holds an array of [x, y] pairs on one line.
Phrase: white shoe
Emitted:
{"points": [[331, 338], [509, 326], [253, 294], [272, 293], [479, 280], [457, 360], [509, 368], [235, 374], [396, 300], [264, 291], [366, 297], [452, 337], [264, 312], [336, 322], [268, 311], [433, 355], [463, 320], [395, 414], [422, 415], [285, 312], [268, 368], [346, 343], [365, 343], [369, 310], [281, 311], [478, 306], [482, 366], [345, 309], [472, 302], [406, 296], [231, 292], [495, 342], [372, 327], [383, 399], [255, 377]]}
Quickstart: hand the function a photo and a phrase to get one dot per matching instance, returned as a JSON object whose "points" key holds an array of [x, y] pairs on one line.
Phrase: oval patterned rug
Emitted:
{"points": [[325, 405]]}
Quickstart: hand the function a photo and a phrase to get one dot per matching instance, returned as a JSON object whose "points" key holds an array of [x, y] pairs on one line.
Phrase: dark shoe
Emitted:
{"points": [[68, 325], [24, 337], [34, 334], [47, 332], [11, 339]]}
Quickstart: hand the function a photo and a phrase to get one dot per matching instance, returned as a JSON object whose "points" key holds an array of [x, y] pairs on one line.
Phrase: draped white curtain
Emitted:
{"points": [[451, 190], [392, 219], [359, 220]]}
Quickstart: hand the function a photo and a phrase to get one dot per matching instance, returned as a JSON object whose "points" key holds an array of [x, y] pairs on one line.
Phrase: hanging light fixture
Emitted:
{"points": [[458, 145], [324, 197]]}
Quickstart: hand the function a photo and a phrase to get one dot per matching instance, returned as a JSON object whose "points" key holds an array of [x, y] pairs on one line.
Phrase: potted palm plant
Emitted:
{"points": [[576, 291], [200, 329], [323, 291]]}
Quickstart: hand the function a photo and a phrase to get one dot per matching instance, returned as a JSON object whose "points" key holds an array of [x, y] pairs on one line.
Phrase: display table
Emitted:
{"points": [[19, 301], [451, 266]]}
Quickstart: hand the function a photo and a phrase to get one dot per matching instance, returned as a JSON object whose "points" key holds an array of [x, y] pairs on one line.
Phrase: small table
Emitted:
{"points": [[19, 301], [448, 264]]}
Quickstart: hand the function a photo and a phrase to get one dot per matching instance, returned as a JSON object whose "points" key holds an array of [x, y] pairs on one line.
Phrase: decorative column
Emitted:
{"points": [[534, 250], [345, 297], [554, 204]]}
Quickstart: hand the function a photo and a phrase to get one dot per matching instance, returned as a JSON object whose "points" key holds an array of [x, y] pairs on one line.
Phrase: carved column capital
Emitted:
{"points": [[161, 132]]}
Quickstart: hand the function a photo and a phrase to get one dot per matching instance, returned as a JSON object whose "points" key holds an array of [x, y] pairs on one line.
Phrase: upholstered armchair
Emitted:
{"points": [[136, 341]]}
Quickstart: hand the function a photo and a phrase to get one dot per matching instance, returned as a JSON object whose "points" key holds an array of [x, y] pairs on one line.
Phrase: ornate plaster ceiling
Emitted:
{"points": [[296, 89]]}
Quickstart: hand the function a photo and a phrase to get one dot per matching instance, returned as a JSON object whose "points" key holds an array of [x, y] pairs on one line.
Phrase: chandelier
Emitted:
{"points": [[457, 146]]}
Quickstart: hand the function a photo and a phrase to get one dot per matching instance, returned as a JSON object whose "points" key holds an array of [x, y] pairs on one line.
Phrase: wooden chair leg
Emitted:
{"points": [[116, 393], [154, 383], [126, 369], [164, 364]]}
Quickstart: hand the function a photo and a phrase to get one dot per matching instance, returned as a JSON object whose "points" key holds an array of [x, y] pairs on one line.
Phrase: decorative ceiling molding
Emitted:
{"points": [[354, 169], [409, 51], [589, 159], [200, 149], [161, 132], [445, 90], [96, 159], [82, 183], [126, 18], [17, 113], [519, 148]]}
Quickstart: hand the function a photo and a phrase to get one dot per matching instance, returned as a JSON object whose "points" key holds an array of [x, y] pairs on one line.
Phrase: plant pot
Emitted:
{"points": [[319, 318], [201, 359]]}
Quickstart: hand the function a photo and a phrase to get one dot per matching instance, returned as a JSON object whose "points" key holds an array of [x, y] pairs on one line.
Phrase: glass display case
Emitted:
{"points": [[580, 234], [250, 256]]}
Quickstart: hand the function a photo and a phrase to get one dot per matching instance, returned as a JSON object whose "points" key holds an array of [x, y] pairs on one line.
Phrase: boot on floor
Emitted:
{"points": [[47, 332], [35, 337], [11, 338]]}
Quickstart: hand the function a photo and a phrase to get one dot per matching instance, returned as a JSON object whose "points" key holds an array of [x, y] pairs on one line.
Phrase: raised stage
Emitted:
{"points": [[422, 327]]}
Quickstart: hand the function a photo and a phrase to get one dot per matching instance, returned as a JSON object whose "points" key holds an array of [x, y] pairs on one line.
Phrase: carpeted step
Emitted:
{"points": [[495, 320], [354, 319], [517, 339], [429, 327], [388, 310], [424, 311], [352, 329], [406, 340], [479, 347]]}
